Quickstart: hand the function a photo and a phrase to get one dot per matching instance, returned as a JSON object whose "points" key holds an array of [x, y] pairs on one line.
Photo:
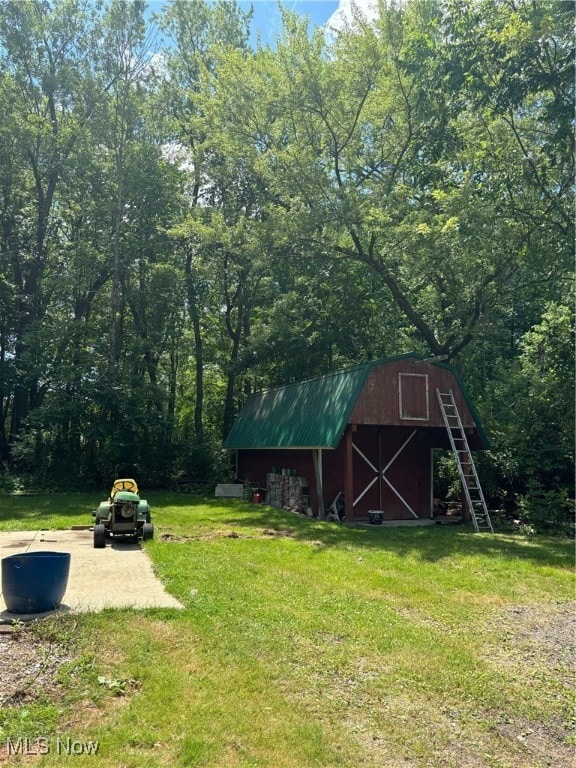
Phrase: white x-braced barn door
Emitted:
{"points": [[374, 472]]}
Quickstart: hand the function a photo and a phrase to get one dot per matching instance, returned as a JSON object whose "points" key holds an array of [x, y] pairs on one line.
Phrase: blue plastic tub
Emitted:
{"points": [[35, 582]]}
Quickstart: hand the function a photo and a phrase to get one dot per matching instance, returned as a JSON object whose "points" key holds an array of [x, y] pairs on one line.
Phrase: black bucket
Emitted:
{"points": [[35, 582]]}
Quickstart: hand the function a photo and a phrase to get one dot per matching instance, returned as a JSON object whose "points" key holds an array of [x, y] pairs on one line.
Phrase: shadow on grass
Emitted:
{"points": [[75, 508], [431, 543]]}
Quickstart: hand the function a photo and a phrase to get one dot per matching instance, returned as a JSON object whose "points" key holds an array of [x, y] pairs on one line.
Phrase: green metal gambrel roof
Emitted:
{"points": [[311, 413]]}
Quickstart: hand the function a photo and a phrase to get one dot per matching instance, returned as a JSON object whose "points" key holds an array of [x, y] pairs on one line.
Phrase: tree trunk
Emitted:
{"points": [[198, 349], [230, 387]]}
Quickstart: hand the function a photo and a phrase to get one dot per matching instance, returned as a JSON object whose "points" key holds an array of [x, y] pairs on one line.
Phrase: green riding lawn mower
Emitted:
{"points": [[125, 514]]}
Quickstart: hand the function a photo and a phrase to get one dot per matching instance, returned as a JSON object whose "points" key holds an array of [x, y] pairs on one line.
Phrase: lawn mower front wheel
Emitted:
{"points": [[99, 536], [147, 531]]}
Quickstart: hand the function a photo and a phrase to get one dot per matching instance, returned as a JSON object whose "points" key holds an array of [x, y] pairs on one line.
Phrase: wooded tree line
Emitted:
{"points": [[185, 219]]}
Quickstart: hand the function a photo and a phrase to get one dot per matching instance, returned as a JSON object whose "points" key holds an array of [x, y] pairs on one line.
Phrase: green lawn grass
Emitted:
{"points": [[311, 644], [54, 511]]}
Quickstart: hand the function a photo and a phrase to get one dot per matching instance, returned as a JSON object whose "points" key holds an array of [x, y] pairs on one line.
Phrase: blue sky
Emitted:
{"points": [[266, 18]]}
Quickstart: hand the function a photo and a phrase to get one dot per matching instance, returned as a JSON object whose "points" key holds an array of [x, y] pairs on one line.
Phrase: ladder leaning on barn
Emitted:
{"points": [[466, 467]]}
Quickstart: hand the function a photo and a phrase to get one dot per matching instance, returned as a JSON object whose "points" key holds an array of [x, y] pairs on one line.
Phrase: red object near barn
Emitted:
{"points": [[367, 433]]}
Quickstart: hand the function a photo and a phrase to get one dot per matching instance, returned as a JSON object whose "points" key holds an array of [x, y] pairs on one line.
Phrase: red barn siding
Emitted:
{"points": [[380, 399], [254, 465]]}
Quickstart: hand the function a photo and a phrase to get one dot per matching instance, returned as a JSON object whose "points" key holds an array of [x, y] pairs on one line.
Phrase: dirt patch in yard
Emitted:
{"points": [[537, 637], [537, 644], [266, 533], [29, 665]]}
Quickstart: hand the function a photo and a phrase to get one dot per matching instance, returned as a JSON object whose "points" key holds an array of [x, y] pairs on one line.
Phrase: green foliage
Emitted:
{"points": [[9, 483], [202, 467], [546, 402], [530, 415], [546, 511], [446, 478]]}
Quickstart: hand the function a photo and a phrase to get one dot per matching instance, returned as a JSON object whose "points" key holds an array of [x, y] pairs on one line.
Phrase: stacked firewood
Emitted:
{"points": [[287, 490]]}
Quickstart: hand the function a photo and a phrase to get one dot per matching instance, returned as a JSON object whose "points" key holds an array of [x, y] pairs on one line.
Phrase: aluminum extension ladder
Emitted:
{"points": [[466, 467]]}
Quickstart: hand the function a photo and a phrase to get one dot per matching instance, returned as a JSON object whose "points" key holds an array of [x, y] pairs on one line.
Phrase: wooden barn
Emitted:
{"points": [[365, 435]]}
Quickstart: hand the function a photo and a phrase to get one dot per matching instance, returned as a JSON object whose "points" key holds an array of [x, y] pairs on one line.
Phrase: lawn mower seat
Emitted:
{"points": [[125, 484]]}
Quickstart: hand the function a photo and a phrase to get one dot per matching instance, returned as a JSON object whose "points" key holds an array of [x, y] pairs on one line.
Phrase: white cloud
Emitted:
{"points": [[344, 14]]}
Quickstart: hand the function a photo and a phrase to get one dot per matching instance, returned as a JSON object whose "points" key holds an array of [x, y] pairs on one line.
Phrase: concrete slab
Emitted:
{"points": [[412, 523], [229, 491], [122, 572]]}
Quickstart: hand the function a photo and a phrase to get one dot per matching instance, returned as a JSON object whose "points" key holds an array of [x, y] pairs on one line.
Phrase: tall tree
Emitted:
{"points": [[200, 33], [378, 155], [127, 50], [46, 52]]}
